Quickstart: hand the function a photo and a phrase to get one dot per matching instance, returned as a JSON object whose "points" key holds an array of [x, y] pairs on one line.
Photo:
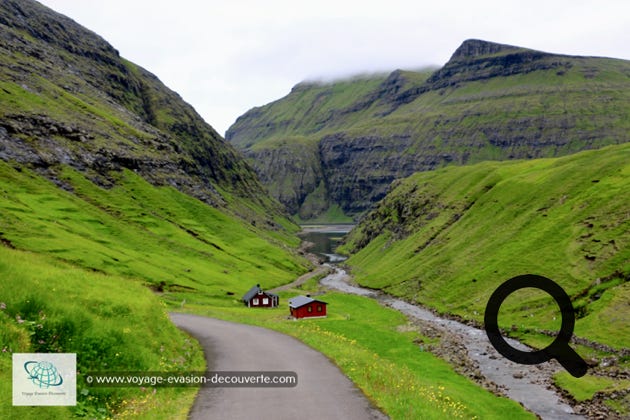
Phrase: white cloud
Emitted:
{"points": [[226, 57]]}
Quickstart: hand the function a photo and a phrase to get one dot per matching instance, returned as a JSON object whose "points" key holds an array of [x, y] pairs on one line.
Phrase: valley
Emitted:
{"points": [[479, 361], [121, 210]]}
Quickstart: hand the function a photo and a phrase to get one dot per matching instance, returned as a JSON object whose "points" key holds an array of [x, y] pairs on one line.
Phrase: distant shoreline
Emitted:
{"points": [[332, 228]]}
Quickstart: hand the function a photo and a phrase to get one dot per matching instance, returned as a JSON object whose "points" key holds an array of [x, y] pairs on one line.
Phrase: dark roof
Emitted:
{"points": [[300, 301], [254, 291]]}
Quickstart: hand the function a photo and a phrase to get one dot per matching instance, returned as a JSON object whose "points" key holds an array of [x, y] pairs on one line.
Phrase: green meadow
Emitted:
{"points": [[112, 323], [95, 271], [378, 350], [84, 269]]}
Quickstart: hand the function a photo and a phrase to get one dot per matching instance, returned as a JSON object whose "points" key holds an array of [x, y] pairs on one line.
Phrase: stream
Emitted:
{"points": [[525, 384], [529, 385]]}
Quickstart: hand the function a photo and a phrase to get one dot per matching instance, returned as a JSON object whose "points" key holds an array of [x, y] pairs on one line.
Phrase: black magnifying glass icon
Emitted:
{"points": [[559, 349]]}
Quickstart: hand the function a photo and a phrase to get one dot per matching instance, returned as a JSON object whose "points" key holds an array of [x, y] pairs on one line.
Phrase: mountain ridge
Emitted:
{"points": [[68, 97], [489, 101]]}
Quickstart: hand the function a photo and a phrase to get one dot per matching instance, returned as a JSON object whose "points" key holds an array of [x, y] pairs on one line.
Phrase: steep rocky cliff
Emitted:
{"points": [[488, 102], [67, 97]]}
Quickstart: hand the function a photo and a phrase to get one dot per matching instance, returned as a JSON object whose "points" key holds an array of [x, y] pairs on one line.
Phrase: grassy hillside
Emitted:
{"points": [[448, 238], [81, 261], [310, 107], [489, 102], [134, 229], [66, 96], [116, 198]]}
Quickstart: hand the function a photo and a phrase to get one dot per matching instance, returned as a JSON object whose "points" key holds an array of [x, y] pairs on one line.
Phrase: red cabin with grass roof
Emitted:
{"points": [[307, 307], [256, 297]]}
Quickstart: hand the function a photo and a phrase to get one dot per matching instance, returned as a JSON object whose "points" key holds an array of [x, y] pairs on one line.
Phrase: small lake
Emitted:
{"points": [[326, 239]]}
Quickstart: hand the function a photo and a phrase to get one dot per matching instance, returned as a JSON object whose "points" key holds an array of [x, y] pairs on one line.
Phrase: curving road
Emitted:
{"points": [[323, 392]]}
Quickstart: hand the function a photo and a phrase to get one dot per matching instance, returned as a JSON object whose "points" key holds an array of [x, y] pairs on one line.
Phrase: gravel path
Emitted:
{"points": [[319, 270]]}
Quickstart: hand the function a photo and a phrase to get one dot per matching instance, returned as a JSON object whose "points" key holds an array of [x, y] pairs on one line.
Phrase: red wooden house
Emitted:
{"points": [[307, 307], [258, 298]]}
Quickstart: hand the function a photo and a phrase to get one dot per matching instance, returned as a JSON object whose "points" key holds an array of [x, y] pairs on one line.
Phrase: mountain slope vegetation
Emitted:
{"points": [[66, 96], [342, 144], [448, 238], [117, 202]]}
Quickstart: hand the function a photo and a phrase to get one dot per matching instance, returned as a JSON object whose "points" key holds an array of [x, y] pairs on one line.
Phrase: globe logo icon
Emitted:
{"points": [[43, 374]]}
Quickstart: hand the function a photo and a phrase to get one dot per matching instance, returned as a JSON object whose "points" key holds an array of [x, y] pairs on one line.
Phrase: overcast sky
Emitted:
{"points": [[225, 57]]}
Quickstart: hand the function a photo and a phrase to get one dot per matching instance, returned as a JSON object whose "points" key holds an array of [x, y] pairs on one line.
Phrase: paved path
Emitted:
{"points": [[323, 392], [319, 270]]}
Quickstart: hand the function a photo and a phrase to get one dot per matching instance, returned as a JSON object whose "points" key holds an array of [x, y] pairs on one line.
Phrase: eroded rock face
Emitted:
{"points": [[478, 47], [480, 60], [67, 97], [489, 102], [360, 169], [291, 173]]}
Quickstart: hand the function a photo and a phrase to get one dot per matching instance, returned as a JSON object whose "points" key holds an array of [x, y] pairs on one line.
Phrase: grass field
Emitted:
{"points": [[375, 347], [83, 269], [112, 323]]}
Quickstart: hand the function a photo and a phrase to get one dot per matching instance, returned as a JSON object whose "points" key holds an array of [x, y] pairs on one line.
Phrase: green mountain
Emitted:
{"points": [[448, 238], [117, 202], [66, 96], [338, 146]]}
